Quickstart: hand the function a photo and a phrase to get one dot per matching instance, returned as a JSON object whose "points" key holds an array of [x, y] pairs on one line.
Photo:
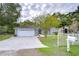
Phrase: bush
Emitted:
{"points": [[10, 31], [55, 33]]}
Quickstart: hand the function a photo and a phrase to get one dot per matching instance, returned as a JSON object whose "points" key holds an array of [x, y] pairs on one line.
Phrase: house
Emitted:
{"points": [[31, 31], [25, 31]]}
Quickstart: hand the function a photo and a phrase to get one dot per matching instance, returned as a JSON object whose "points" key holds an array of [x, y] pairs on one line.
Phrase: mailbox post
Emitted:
{"points": [[58, 37], [68, 45], [70, 39]]}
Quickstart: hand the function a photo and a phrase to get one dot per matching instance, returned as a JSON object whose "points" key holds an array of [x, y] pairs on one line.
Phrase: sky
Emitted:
{"points": [[30, 10]]}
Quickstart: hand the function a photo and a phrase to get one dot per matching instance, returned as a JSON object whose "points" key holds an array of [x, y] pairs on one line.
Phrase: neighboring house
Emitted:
{"points": [[31, 31], [53, 30]]}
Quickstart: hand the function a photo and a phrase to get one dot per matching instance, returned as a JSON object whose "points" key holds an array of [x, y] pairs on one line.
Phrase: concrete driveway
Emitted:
{"points": [[18, 43]]}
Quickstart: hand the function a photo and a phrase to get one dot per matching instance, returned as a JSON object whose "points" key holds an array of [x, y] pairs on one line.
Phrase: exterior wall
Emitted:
{"points": [[53, 30]]}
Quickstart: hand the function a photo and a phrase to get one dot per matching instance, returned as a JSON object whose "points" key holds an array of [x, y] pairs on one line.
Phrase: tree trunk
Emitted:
{"points": [[45, 33]]}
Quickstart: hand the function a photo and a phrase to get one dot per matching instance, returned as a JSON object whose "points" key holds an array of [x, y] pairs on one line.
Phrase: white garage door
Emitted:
{"points": [[26, 32]]}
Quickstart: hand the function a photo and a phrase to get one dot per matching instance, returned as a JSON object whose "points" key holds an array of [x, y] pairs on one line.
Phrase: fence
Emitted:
{"points": [[62, 39]]}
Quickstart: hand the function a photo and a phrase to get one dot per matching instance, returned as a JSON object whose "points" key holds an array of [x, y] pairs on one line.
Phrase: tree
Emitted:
{"points": [[46, 22], [75, 17], [26, 23], [65, 19], [9, 12]]}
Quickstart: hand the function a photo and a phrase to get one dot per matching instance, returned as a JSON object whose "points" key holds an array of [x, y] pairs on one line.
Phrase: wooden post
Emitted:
{"points": [[58, 40], [58, 37], [68, 45]]}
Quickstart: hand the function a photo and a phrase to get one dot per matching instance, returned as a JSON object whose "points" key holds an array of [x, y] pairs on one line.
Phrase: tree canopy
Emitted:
{"points": [[25, 23], [9, 12], [46, 22]]}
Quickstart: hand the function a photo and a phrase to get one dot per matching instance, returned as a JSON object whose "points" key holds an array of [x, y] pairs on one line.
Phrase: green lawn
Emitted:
{"points": [[74, 51], [50, 43], [53, 50], [4, 37]]}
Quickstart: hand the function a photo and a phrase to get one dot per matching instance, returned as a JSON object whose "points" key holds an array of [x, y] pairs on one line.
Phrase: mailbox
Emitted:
{"points": [[71, 39]]}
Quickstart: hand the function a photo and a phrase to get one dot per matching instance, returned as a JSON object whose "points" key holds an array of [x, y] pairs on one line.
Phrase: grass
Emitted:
{"points": [[50, 43], [4, 37], [74, 51], [53, 50]]}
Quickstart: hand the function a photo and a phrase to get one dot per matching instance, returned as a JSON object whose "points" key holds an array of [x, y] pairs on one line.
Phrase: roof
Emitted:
{"points": [[25, 27]]}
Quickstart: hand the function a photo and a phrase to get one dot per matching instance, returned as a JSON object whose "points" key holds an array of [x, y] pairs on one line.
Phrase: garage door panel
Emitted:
{"points": [[26, 33]]}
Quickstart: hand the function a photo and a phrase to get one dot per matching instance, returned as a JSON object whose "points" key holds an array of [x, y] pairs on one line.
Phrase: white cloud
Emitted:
{"points": [[34, 13], [29, 7], [28, 10], [43, 6], [37, 6]]}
